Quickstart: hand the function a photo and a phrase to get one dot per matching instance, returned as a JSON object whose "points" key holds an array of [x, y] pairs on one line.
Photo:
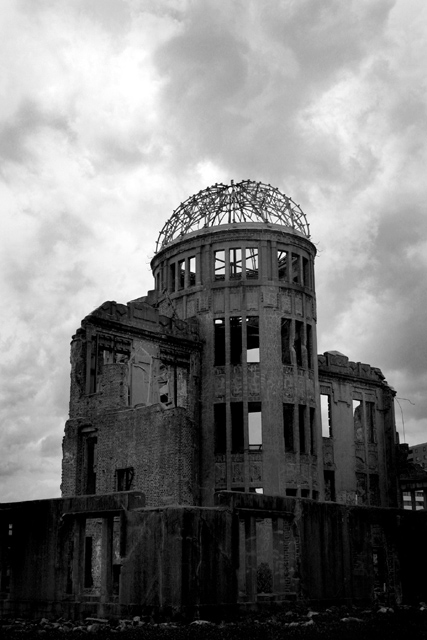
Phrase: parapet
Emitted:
{"points": [[334, 362]]}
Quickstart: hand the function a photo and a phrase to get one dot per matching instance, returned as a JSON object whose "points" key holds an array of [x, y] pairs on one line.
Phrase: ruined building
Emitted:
{"points": [[212, 382], [211, 457]]}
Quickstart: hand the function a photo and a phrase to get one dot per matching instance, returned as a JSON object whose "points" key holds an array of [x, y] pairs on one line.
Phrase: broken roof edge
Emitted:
{"points": [[337, 362], [140, 314]]}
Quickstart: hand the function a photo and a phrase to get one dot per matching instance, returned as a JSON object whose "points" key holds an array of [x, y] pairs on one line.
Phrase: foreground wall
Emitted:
{"points": [[109, 555]]}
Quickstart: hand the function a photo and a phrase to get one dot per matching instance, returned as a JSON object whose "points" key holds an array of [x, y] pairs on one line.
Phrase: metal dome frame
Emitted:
{"points": [[246, 201]]}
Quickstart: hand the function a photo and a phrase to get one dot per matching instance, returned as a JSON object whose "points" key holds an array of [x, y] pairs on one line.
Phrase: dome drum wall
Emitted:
{"points": [[251, 286]]}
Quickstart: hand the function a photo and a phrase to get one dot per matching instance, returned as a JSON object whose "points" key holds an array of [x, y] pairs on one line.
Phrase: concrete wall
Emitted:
{"points": [[248, 549], [361, 449]]}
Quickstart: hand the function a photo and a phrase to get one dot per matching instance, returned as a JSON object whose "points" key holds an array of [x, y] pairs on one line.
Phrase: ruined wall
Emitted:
{"points": [[180, 557], [359, 447], [248, 549], [159, 445], [292, 549], [133, 405]]}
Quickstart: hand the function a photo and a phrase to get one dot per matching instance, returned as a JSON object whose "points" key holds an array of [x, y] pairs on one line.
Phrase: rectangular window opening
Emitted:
{"points": [[235, 263], [219, 341], [219, 264], [255, 426], [359, 432], [329, 478], [91, 455], [124, 479], [301, 428], [298, 342], [191, 271], [181, 274], [172, 275], [313, 430], [88, 577], [237, 439], [220, 429], [252, 339], [252, 262], [305, 272], [236, 340], [288, 426], [285, 331], [310, 346], [291, 493], [325, 405], [370, 421], [296, 278], [282, 264]]}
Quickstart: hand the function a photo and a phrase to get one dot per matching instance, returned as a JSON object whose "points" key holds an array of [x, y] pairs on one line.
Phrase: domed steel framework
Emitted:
{"points": [[246, 201]]}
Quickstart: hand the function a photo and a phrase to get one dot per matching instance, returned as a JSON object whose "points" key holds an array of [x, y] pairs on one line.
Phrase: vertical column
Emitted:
{"points": [[264, 263], [78, 557], [425, 498], [278, 556], [251, 561], [106, 558], [246, 458], [413, 500]]}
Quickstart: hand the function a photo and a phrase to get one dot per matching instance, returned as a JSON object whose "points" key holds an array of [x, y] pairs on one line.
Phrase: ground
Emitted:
{"points": [[335, 623]]}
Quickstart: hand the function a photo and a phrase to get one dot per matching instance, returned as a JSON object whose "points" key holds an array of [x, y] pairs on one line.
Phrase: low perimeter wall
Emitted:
{"points": [[110, 556]]}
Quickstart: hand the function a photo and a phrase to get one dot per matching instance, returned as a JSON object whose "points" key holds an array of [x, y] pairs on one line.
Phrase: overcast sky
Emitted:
{"points": [[112, 112]]}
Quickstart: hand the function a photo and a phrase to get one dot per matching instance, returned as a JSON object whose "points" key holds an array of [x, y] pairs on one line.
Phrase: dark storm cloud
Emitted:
{"points": [[28, 119]]}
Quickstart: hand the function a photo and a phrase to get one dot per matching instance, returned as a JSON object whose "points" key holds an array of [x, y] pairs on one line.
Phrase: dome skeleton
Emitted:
{"points": [[246, 201]]}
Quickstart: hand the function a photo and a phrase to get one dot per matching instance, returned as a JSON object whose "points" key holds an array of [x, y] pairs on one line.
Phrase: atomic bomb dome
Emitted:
{"points": [[245, 201]]}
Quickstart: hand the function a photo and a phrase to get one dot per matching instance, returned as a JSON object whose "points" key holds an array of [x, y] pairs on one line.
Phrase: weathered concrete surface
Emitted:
{"points": [[180, 557], [250, 549]]}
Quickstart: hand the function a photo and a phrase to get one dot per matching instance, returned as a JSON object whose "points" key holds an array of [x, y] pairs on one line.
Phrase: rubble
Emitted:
{"points": [[305, 623]]}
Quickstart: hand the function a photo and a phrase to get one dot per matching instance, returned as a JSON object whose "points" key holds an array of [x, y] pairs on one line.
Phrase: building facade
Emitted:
{"points": [[211, 382]]}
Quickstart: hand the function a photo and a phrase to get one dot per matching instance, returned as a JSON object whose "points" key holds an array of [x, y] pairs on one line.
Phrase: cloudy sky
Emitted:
{"points": [[112, 112]]}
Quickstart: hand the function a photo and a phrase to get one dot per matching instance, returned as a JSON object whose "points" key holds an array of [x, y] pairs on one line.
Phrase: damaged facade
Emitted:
{"points": [[190, 403]]}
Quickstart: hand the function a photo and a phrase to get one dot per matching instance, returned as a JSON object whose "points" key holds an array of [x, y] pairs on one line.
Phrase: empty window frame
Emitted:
{"points": [[237, 437], [220, 429], [370, 421], [282, 264], [288, 426], [285, 331], [104, 350], [172, 277], [192, 271], [90, 464], [219, 264], [181, 274], [325, 406], [309, 330], [235, 263], [298, 341], [219, 341], [306, 272], [295, 269], [329, 479], [359, 431], [124, 479], [254, 426], [301, 428], [88, 552], [252, 268], [252, 339], [236, 340], [313, 430]]}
